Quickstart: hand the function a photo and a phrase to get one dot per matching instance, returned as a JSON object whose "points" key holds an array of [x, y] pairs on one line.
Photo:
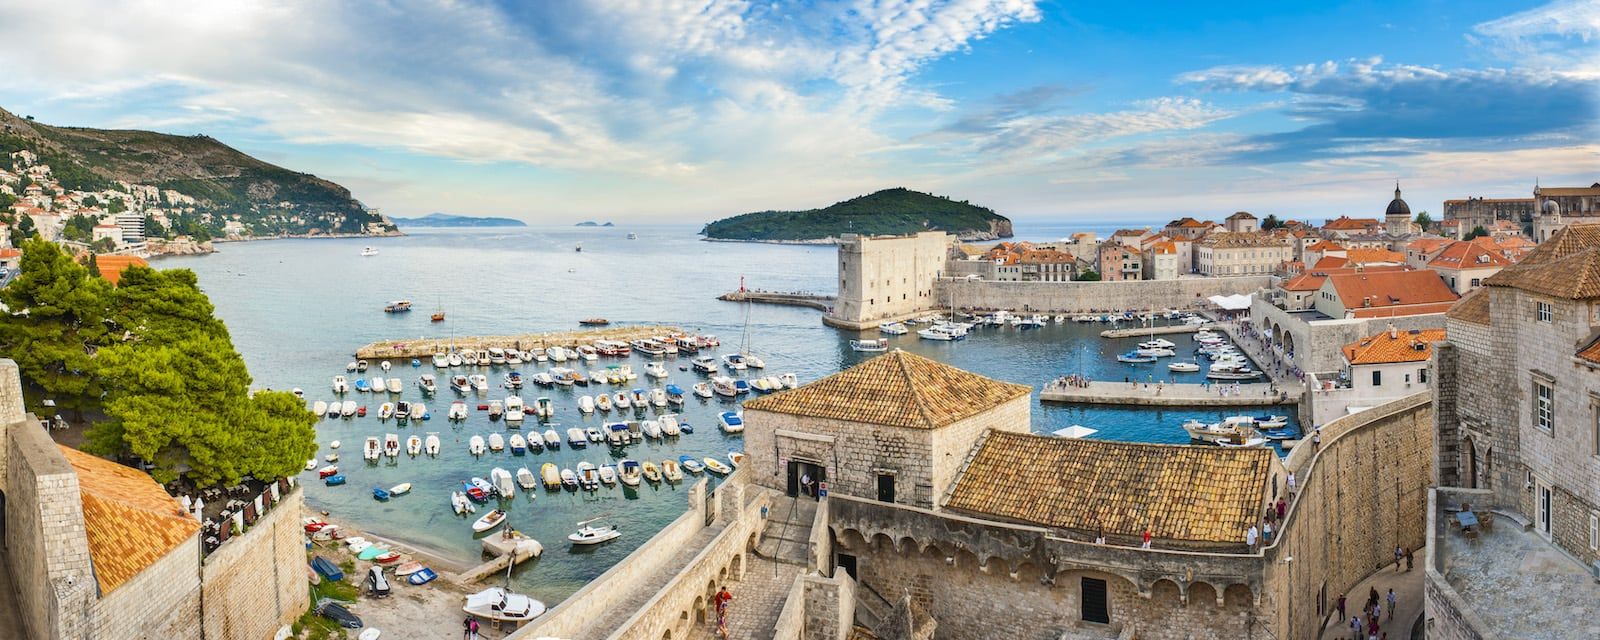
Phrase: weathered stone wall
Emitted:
{"points": [[1478, 443], [829, 606], [1074, 297], [46, 547], [1447, 614], [923, 461], [1360, 496], [163, 601], [887, 277], [11, 409], [1317, 344], [255, 583]]}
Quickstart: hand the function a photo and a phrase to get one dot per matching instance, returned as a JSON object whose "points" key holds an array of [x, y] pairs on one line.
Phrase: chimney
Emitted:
{"points": [[1394, 334]]}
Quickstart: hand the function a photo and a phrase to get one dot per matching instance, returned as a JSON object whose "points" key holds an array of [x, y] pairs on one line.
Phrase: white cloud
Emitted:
{"points": [[1544, 37]]}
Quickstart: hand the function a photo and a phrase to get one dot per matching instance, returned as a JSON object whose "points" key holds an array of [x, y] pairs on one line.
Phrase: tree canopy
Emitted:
{"points": [[1477, 232], [1424, 221], [1271, 222], [152, 354]]}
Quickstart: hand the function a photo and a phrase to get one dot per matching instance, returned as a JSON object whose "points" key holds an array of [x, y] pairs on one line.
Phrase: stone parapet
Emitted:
{"points": [[1084, 297]]}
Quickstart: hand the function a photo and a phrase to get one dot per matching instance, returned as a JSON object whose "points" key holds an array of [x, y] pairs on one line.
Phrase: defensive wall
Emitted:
{"points": [[1359, 496], [665, 586], [255, 583], [1449, 615], [1083, 297], [1318, 345]]}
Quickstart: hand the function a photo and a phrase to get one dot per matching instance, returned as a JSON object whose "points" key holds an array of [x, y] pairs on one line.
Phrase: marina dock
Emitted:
{"points": [[426, 347], [504, 550], [814, 301], [1156, 331], [1169, 395]]}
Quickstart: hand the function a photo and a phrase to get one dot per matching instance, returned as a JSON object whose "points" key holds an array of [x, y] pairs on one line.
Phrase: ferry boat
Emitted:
{"points": [[1134, 357], [397, 306]]}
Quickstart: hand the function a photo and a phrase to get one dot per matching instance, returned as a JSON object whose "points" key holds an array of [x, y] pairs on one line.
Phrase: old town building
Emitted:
{"points": [[1232, 254]]}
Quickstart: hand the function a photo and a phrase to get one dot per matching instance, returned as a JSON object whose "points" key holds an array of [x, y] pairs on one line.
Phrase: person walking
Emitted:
{"points": [[1250, 536], [1291, 482], [1340, 606], [1355, 628], [1266, 533], [1284, 506], [1391, 599], [1399, 557], [1408, 558]]}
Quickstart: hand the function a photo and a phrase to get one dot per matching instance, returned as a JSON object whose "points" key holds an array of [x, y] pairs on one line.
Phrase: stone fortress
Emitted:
{"points": [[94, 550]]}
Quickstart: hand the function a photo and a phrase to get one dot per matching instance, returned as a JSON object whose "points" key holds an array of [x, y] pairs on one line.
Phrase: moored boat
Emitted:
{"points": [[489, 521], [731, 421]]}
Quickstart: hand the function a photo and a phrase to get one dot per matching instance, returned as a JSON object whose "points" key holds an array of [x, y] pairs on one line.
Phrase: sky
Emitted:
{"points": [[687, 111]]}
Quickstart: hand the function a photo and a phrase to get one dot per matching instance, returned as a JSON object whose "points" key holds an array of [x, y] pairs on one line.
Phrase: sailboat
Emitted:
{"points": [[438, 316], [748, 359]]}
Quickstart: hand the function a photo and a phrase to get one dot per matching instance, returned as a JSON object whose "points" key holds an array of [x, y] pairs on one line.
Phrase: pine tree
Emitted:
{"points": [[56, 324], [93, 266]]}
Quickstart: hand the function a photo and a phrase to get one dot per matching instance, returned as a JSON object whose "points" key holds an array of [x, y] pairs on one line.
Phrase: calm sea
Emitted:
{"points": [[297, 309]]}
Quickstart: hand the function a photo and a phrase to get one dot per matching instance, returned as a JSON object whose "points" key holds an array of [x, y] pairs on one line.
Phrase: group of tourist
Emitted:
{"points": [[1075, 380], [1369, 624]]}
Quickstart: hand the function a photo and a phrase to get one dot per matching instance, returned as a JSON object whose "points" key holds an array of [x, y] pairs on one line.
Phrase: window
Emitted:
{"points": [[1093, 601], [1543, 311], [1544, 405], [1377, 378], [1476, 282], [1594, 532], [1422, 375]]}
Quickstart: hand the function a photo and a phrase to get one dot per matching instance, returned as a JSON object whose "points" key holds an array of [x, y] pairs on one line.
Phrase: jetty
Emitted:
{"points": [[1170, 394], [426, 347], [1155, 331], [507, 548], [793, 299]]}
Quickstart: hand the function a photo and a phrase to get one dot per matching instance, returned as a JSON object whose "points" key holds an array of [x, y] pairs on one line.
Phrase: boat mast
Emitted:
{"points": [[744, 340]]}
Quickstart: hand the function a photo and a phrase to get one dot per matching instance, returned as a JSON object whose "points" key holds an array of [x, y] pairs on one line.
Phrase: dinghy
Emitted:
{"points": [[717, 466], [400, 489], [431, 444], [670, 471], [475, 445], [408, 569], [736, 457], [519, 445], [422, 577], [328, 471], [526, 480], [413, 446], [489, 521], [630, 472], [690, 464], [651, 472]]}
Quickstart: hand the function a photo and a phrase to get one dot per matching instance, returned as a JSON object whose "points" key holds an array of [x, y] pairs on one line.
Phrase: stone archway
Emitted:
{"points": [[1166, 592], [1203, 593], [1470, 453], [736, 567], [1238, 596]]}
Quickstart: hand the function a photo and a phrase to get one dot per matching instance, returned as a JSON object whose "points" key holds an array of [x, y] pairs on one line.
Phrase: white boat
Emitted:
{"points": [[650, 428], [503, 484], [475, 445], [348, 408], [498, 604], [441, 360], [658, 397], [368, 252], [377, 384], [400, 489], [497, 442], [724, 386], [460, 384], [590, 533], [893, 329], [621, 400], [668, 423], [731, 421], [519, 445], [391, 445], [870, 346], [655, 370], [386, 411], [331, 410], [480, 382], [526, 479], [942, 333], [385, 366], [456, 360], [552, 440], [497, 355], [458, 411], [413, 446], [419, 411], [587, 404], [556, 354], [789, 380], [311, 465], [515, 409], [428, 383], [576, 438], [702, 389], [340, 385], [1230, 427], [1183, 367], [1157, 343], [550, 474], [431, 444], [372, 450], [717, 466], [1158, 352], [630, 472], [1242, 443], [333, 445], [734, 361], [489, 521]]}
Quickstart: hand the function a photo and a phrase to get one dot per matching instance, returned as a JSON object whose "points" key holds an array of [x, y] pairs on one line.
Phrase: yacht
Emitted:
{"points": [[513, 408], [480, 382], [428, 384], [724, 386], [705, 364], [734, 361], [893, 329]]}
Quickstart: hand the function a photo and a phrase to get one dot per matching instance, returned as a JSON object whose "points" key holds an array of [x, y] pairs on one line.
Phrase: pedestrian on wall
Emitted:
{"points": [[1146, 543], [1408, 558], [1250, 536], [1355, 628], [1266, 533], [1291, 482], [1282, 507], [1399, 557], [1340, 606], [1391, 598]]}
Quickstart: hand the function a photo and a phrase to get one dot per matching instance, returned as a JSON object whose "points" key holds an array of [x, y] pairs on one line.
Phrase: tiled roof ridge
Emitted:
{"points": [[917, 400]]}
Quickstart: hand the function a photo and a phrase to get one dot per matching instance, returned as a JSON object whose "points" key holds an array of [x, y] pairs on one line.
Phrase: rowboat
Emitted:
{"points": [[717, 466], [489, 521], [651, 472], [690, 464], [671, 471]]}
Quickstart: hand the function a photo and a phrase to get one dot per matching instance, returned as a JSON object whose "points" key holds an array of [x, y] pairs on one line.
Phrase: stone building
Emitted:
{"points": [[1557, 207], [887, 277], [1242, 222], [1241, 253], [1363, 293], [1465, 264], [1389, 366], [1397, 217], [94, 550], [1119, 261], [1484, 212]]}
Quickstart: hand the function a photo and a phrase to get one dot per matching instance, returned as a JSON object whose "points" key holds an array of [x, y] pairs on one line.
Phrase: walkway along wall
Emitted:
{"points": [[256, 583], [1074, 297]]}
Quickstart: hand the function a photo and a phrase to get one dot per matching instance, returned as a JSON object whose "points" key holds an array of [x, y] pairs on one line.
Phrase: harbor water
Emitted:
{"points": [[297, 310]]}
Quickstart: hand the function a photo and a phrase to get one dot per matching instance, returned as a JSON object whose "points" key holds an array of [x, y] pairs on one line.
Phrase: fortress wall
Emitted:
{"points": [[1075, 297]]}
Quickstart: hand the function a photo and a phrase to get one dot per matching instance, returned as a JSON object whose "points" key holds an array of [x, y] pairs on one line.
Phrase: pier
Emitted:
{"points": [[506, 549], [426, 347], [1170, 394], [793, 299], [1156, 331]]}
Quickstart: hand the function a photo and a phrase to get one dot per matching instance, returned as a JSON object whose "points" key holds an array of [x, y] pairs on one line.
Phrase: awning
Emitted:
{"points": [[1074, 431], [1237, 302]]}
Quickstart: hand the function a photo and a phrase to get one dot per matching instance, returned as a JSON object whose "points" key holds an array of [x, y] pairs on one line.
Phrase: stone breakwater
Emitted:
{"points": [[426, 347]]}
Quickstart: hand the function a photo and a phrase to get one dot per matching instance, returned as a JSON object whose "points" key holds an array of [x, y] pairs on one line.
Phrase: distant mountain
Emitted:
{"points": [[888, 212], [446, 220], [223, 183], [591, 223]]}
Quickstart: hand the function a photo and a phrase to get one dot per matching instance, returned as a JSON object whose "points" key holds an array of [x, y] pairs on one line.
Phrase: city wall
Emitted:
{"points": [[46, 547], [1076, 297], [1449, 617], [255, 583], [1318, 344]]}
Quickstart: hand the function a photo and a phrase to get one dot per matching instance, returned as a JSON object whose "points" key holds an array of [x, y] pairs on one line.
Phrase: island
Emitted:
{"points": [[437, 219], [894, 211], [591, 223]]}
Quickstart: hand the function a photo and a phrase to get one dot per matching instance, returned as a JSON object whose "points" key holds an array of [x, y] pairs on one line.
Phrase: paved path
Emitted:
{"points": [[1407, 587], [757, 600], [625, 604], [1170, 394]]}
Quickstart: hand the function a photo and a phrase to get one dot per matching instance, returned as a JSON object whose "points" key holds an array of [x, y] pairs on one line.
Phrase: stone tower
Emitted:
{"points": [[1397, 218]]}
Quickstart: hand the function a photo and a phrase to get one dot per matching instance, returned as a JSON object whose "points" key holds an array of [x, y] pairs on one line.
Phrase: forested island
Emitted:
{"points": [[888, 212]]}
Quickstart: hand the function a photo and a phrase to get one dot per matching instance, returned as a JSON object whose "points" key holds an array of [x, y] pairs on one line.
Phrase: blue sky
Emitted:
{"points": [[676, 111]]}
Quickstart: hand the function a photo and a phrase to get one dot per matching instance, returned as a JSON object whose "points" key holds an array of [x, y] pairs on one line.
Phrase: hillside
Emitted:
{"points": [[447, 220], [888, 212], [223, 182]]}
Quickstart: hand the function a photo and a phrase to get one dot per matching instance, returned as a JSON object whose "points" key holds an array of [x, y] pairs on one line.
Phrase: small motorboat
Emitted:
{"points": [[544, 408], [736, 457], [333, 480], [458, 411], [400, 489], [319, 407], [1271, 421], [480, 382], [333, 445], [428, 384], [430, 445], [1183, 367], [394, 385], [496, 603], [658, 398], [731, 421], [789, 380], [496, 409], [651, 472], [601, 401], [717, 466], [734, 361], [608, 474], [588, 475], [497, 442], [576, 438], [587, 404], [512, 380], [704, 364], [372, 450], [870, 346], [690, 464], [552, 440], [893, 329], [591, 533], [489, 521], [460, 384], [671, 471], [361, 385], [503, 484], [413, 446], [655, 370], [422, 576], [650, 428], [391, 445], [311, 464], [569, 479], [402, 411], [519, 445], [340, 385], [621, 401], [550, 475], [702, 389], [629, 472], [333, 409], [668, 424], [362, 366], [460, 504], [386, 411], [1134, 357], [332, 457], [475, 445], [328, 471]]}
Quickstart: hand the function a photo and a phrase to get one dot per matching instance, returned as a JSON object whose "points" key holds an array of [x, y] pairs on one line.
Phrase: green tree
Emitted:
{"points": [[116, 205], [1271, 222], [1477, 232], [79, 228], [56, 324], [93, 266], [1089, 275], [91, 201], [1424, 221], [104, 245]]}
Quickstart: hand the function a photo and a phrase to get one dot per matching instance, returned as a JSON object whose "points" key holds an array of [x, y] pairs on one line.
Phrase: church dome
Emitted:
{"points": [[1397, 207]]}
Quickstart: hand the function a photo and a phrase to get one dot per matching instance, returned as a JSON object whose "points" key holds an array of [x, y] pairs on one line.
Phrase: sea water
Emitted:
{"points": [[298, 309]]}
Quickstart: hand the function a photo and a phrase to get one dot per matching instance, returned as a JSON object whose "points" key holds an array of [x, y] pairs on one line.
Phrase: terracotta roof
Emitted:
{"points": [[1428, 245], [1347, 223], [130, 520], [1366, 290], [1370, 256], [1241, 215], [1190, 223], [1565, 266], [897, 389], [1130, 232], [1569, 191], [1470, 255], [1047, 256], [1242, 239], [1181, 492], [1312, 280], [1324, 245], [1329, 263], [10, 252], [1591, 353], [1305, 282], [1395, 347], [112, 266], [1473, 307]]}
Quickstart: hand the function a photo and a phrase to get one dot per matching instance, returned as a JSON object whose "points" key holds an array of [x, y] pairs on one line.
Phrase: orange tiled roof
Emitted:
{"points": [[1181, 492], [1403, 310], [112, 266], [1329, 263], [1324, 245], [1470, 255], [1047, 256], [1392, 348], [1347, 223], [1371, 256], [1428, 245], [130, 520], [1242, 239], [1473, 307], [1591, 353], [897, 389], [1570, 191], [10, 252], [1366, 290]]}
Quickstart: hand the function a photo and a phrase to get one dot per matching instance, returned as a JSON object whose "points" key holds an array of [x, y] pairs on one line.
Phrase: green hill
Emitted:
{"points": [[224, 181], [889, 212]]}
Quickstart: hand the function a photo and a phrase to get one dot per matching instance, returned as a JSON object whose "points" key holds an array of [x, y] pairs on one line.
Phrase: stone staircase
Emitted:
{"points": [[872, 609], [787, 536]]}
